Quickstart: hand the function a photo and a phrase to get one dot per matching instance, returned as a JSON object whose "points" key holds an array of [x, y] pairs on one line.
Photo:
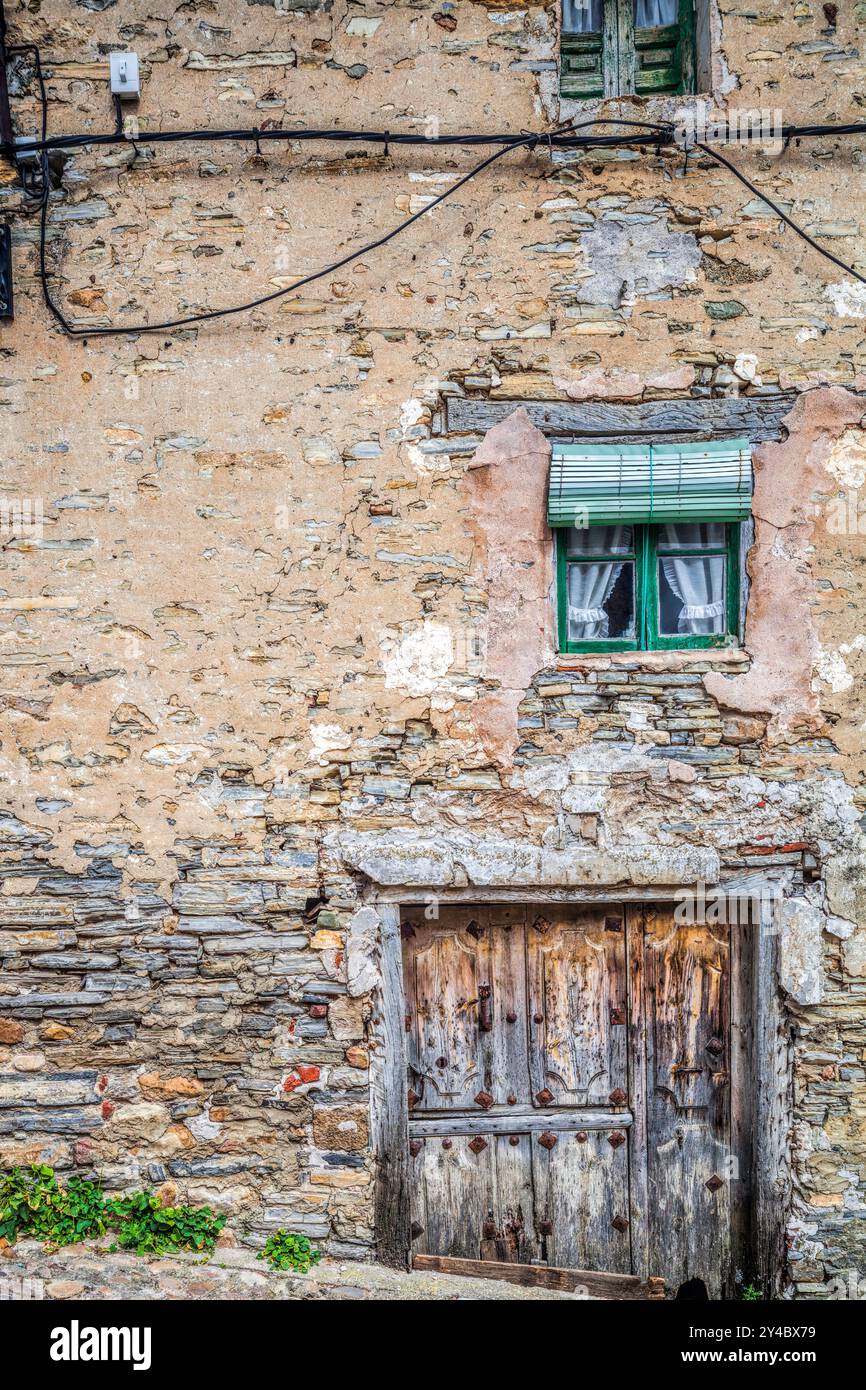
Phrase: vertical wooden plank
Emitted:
{"points": [[771, 1071], [577, 1005], [581, 1184], [743, 941], [626, 59], [687, 990], [610, 48], [637, 1088], [389, 1120]]}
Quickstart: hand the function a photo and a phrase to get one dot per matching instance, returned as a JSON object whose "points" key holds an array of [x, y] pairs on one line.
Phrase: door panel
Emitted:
{"points": [[472, 1197], [687, 1036], [581, 1185], [466, 1010], [577, 999]]}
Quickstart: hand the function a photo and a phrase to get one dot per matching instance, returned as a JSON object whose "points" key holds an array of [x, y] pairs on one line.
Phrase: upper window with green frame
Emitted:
{"points": [[616, 48], [648, 544]]}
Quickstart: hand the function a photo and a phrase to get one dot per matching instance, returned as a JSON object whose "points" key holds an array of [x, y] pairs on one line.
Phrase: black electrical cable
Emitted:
{"points": [[789, 221], [207, 315]]}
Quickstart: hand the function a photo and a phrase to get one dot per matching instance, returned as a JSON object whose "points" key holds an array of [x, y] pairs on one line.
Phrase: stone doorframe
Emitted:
{"points": [[760, 1056]]}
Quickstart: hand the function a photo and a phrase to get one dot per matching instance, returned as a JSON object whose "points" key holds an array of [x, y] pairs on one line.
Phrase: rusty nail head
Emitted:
{"points": [[442, 1062], [715, 1182], [544, 1097], [619, 1223], [413, 1098], [715, 1046], [547, 1140], [477, 1145], [485, 1100], [447, 1143], [616, 1139], [474, 930], [581, 1136], [511, 1018], [617, 1097], [415, 1147], [514, 1140], [613, 924]]}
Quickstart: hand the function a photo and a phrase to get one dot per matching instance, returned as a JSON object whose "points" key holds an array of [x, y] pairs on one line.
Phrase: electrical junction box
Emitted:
{"points": [[125, 78]]}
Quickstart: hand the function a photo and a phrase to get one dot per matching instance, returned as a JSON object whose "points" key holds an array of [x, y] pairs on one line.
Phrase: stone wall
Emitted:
{"points": [[277, 637]]}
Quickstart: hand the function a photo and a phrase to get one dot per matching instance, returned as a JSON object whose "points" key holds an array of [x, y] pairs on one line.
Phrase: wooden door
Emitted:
{"points": [[568, 1089]]}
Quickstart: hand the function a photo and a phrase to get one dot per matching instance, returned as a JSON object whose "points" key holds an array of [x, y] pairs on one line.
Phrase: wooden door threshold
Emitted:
{"points": [[593, 1283]]}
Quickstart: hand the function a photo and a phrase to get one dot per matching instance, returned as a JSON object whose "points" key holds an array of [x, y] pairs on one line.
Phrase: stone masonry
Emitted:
{"points": [[285, 636]]}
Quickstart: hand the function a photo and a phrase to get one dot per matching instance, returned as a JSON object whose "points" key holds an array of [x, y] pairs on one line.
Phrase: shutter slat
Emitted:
{"points": [[607, 483], [658, 65], [582, 69]]}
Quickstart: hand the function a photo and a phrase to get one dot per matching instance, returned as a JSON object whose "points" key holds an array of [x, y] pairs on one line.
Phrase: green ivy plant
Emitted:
{"points": [[286, 1251], [34, 1204], [751, 1294]]}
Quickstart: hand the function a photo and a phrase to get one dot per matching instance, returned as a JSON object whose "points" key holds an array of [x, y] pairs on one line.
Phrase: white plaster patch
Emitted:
{"points": [[411, 413], [831, 668], [848, 298], [800, 969], [324, 739], [362, 951], [173, 754], [417, 662], [847, 459], [746, 368], [363, 26], [203, 1127]]}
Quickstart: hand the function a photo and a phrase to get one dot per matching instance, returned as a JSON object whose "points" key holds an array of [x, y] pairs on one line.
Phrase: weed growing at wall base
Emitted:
{"points": [[33, 1203], [286, 1251]]}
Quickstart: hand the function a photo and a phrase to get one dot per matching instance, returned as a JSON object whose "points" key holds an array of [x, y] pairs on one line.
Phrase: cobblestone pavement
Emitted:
{"points": [[91, 1272]]}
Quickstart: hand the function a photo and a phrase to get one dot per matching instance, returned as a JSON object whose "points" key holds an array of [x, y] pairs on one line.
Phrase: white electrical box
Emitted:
{"points": [[125, 79]]}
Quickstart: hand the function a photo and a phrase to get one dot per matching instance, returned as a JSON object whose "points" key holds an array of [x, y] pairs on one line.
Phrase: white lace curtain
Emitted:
{"points": [[591, 585], [585, 16], [698, 582]]}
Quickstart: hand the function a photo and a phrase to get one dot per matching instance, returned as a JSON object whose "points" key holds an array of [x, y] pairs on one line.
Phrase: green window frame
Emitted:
{"points": [[620, 60], [645, 557]]}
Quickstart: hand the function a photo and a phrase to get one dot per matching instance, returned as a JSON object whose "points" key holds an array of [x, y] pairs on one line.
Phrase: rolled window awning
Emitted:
{"points": [[600, 484]]}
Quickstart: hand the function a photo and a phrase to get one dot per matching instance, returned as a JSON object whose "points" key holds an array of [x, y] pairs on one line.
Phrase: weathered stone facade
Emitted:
{"points": [[286, 635]]}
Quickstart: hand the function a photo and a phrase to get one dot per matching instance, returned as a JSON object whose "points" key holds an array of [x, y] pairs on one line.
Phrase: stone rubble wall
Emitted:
{"points": [[277, 630]]}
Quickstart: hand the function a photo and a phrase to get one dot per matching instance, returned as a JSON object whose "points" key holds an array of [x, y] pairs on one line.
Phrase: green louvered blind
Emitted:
{"points": [[600, 484]]}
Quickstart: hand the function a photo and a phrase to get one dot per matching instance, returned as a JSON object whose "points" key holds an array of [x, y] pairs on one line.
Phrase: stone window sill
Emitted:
{"points": [[731, 659]]}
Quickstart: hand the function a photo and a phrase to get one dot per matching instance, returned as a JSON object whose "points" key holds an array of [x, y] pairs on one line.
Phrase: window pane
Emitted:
{"points": [[692, 596], [692, 535], [600, 600], [581, 16], [649, 14], [600, 540]]}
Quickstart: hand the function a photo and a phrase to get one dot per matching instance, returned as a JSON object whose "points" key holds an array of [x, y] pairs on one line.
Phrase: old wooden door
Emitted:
{"points": [[569, 1099]]}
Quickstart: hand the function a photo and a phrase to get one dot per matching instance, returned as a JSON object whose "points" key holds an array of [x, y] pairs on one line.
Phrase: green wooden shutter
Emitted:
{"points": [[600, 484], [582, 66], [664, 56]]}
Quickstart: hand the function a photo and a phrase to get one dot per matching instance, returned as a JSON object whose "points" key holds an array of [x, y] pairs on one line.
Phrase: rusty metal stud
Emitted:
{"points": [[485, 1100], [545, 1228], [613, 924], [617, 1097], [714, 1183], [541, 924], [474, 930], [416, 1230], [511, 1099], [547, 1140], [538, 1018], [511, 1018], [581, 1136], [544, 1097], [617, 1015], [415, 1147], [715, 1046], [619, 1223], [477, 1145], [616, 1139], [413, 1098], [442, 1063], [514, 1140], [447, 1143]]}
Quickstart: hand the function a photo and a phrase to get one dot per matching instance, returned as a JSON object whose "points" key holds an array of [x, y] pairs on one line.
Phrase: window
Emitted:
{"points": [[616, 47], [648, 543]]}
